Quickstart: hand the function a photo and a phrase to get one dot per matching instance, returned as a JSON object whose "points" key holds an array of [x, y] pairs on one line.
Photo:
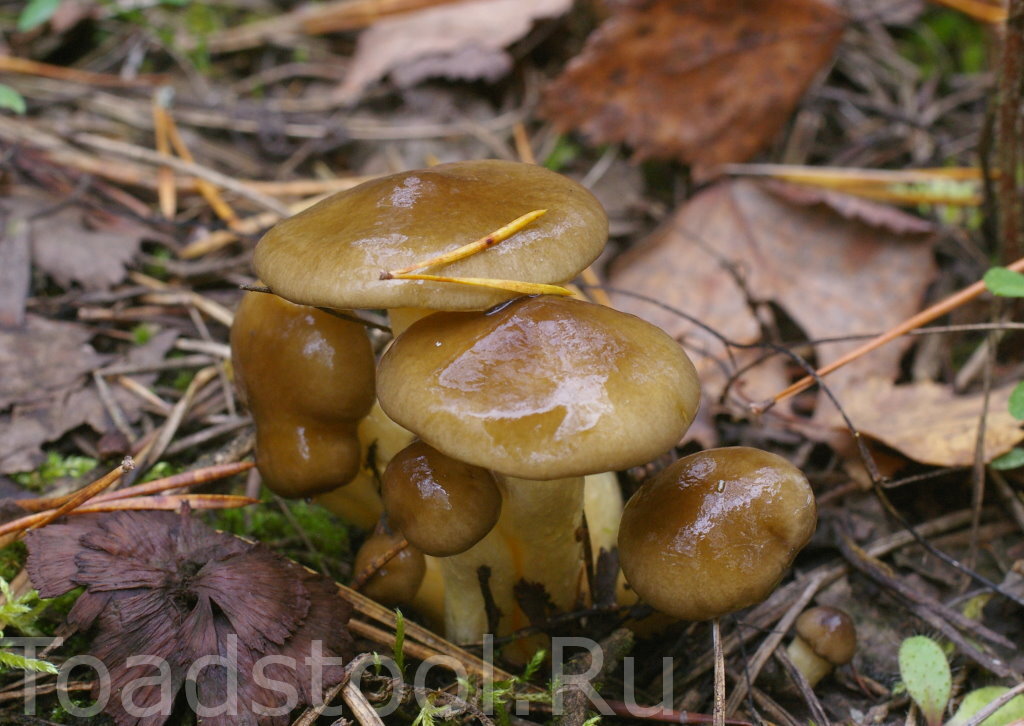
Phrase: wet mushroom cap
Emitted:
{"points": [[332, 254], [442, 506], [715, 532], [541, 387], [398, 580], [829, 632], [308, 377]]}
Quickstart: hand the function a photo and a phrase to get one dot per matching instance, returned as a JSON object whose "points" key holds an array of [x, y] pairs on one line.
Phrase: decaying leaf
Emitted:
{"points": [[462, 41], [835, 273], [66, 248], [703, 81], [166, 586], [928, 423], [46, 389]]}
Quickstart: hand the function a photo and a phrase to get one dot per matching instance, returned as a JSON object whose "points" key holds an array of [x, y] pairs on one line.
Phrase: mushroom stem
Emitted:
{"points": [[536, 540], [401, 318], [812, 665]]}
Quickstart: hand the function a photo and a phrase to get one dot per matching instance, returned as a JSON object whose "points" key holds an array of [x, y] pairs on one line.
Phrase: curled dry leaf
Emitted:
{"points": [[831, 262], [703, 81], [165, 585], [928, 423], [462, 41]]}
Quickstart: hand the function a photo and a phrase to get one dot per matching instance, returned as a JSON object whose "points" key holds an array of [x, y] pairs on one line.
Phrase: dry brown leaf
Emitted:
{"points": [[65, 248], [928, 423], [833, 273], [46, 389], [704, 81], [463, 41]]}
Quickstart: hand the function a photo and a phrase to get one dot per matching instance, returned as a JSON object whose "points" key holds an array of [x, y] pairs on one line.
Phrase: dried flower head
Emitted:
{"points": [[248, 632]]}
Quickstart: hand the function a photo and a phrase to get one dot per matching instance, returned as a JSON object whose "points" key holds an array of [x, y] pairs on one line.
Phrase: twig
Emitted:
{"points": [[925, 316], [11, 64], [361, 708], [770, 643], [374, 567], [719, 706], [200, 172], [803, 686], [73, 502], [1008, 135], [994, 705], [575, 699]]}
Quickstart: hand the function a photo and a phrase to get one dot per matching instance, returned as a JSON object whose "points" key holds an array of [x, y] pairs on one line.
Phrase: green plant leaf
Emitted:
{"points": [[11, 100], [35, 13], [1012, 459], [1004, 283], [978, 699], [11, 660], [925, 671], [1017, 401], [398, 651]]}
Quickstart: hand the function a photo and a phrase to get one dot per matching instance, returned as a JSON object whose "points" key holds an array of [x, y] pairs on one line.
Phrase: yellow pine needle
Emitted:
{"points": [[986, 12], [484, 243], [523, 288]]}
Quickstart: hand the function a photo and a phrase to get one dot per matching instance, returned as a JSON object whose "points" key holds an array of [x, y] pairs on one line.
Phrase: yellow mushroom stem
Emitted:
{"points": [[534, 540]]}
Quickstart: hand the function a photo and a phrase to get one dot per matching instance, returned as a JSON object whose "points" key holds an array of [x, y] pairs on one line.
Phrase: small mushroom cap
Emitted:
{"points": [[541, 388], [829, 632], [442, 506], [715, 532], [396, 582], [332, 254], [307, 377]]}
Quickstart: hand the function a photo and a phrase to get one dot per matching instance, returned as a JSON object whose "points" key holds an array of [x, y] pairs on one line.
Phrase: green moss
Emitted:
{"points": [[267, 523], [56, 466], [12, 559]]}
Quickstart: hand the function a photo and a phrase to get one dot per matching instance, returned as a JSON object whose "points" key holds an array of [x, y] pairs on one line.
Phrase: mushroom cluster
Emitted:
{"points": [[512, 406]]}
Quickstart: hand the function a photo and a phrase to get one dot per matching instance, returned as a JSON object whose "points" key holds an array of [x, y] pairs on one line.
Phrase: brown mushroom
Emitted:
{"points": [[715, 531], [397, 580], [544, 391], [307, 377], [333, 254], [442, 506], [825, 638]]}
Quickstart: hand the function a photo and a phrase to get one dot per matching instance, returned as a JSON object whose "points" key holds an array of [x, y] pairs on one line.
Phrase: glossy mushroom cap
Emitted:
{"points": [[442, 506], [829, 632], [715, 532], [307, 377], [397, 581], [332, 254], [541, 388]]}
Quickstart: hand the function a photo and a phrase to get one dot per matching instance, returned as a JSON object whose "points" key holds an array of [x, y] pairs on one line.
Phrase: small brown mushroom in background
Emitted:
{"points": [[442, 506], [825, 638], [715, 532], [308, 378], [397, 581]]}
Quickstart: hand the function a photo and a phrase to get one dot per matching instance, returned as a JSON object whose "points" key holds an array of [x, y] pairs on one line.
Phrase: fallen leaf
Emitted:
{"points": [[166, 586], [463, 41], [43, 357], [928, 423], [833, 273], [48, 389], [66, 248], [704, 81]]}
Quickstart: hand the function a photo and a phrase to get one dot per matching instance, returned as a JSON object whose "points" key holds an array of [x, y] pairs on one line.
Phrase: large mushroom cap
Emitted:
{"points": [[332, 254], [541, 388], [715, 531]]}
